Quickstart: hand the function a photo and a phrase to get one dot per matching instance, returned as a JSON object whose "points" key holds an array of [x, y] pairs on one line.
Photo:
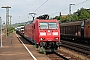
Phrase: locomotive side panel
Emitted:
{"points": [[28, 31], [25, 31], [36, 32]]}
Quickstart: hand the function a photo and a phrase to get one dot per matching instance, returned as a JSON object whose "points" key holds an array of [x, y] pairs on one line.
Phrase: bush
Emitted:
{"points": [[10, 29]]}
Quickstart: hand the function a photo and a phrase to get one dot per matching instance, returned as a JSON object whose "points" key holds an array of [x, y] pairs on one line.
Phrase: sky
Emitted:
{"points": [[20, 9]]}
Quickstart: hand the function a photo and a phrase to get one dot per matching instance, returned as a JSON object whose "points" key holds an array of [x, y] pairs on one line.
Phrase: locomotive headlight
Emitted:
{"points": [[41, 38], [56, 38]]}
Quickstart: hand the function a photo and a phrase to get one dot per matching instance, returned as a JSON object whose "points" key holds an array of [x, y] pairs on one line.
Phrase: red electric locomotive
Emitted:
{"points": [[43, 33]]}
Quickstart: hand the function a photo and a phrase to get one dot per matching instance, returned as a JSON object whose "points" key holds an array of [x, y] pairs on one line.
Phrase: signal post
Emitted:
{"points": [[7, 18]]}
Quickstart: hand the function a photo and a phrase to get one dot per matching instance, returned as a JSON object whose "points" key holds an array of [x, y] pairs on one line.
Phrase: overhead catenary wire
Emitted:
{"points": [[31, 6], [73, 6], [44, 3], [56, 4], [41, 5], [33, 2]]}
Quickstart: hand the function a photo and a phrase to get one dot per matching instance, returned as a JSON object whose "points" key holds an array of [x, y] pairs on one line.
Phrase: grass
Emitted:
{"points": [[34, 46], [79, 57], [42, 50]]}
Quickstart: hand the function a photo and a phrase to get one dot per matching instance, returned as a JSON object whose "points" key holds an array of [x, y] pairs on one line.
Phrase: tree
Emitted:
{"points": [[79, 15], [75, 17], [57, 17], [83, 14]]}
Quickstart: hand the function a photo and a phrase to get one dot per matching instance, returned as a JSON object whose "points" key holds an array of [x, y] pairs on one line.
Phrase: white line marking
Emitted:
{"points": [[26, 48]]}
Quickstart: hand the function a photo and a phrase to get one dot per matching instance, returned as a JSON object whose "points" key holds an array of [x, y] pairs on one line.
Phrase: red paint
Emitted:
{"points": [[33, 31]]}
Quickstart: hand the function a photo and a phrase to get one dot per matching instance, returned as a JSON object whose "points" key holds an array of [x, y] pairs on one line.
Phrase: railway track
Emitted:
{"points": [[56, 56], [60, 55], [85, 50]]}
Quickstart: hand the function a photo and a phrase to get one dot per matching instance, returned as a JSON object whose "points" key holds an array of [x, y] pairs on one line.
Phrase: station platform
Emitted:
{"points": [[13, 49]]}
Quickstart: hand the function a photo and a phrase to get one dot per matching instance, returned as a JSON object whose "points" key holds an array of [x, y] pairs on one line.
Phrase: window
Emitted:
{"points": [[43, 25], [53, 25], [48, 25]]}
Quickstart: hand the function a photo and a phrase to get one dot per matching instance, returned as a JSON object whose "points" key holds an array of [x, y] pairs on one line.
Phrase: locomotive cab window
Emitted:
{"points": [[48, 25], [43, 25], [53, 25]]}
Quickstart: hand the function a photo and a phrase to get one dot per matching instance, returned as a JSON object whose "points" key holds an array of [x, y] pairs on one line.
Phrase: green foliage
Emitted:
{"points": [[34, 46], [21, 25], [79, 15], [83, 14], [75, 17], [42, 50], [57, 17], [18, 24], [11, 29], [63, 19]]}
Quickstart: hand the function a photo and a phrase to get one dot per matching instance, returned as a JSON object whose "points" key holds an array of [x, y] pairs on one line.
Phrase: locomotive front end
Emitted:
{"points": [[49, 35]]}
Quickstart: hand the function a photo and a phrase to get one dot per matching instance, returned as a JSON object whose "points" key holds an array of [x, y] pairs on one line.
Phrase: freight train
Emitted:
{"points": [[76, 31], [43, 32]]}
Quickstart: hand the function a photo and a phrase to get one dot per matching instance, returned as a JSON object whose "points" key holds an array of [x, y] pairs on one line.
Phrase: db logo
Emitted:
{"points": [[48, 33]]}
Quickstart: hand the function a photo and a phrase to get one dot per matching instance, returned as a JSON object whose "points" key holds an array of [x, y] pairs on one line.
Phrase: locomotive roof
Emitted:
{"points": [[41, 20], [45, 16], [71, 23], [29, 22]]}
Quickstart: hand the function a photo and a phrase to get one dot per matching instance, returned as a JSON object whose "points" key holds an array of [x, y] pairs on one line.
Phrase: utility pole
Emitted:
{"points": [[10, 20], [60, 16], [7, 19], [70, 10], [19, 19], [1, 31]]}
